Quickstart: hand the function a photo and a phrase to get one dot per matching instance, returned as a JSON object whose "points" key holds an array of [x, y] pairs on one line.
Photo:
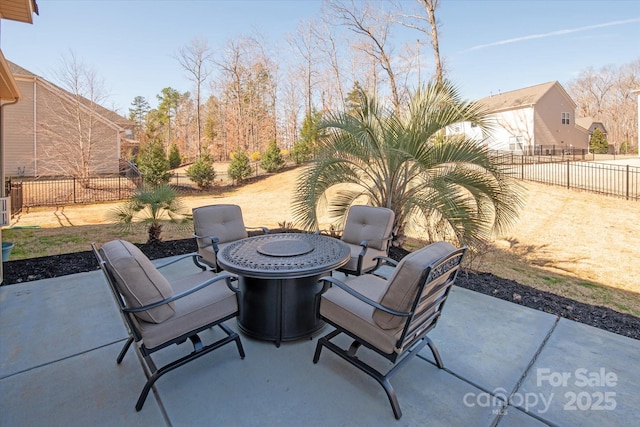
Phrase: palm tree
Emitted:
{"points": [[153, 207], [405, 162]]}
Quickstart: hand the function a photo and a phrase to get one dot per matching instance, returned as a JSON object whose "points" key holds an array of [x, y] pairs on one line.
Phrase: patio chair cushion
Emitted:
{"points": [[404, 281], [368, 223], [223, 221], [356, 316], [192, 312], [138, 280]]}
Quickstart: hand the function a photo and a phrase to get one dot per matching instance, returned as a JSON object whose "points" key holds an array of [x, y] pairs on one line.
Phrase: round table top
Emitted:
{"points": [[284, 255]]}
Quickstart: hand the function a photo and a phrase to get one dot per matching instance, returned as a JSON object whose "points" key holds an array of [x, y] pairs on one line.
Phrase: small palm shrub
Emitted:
{"points": [[153, 207]]}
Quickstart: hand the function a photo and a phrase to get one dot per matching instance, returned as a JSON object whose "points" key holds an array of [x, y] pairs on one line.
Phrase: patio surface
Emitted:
{"points": [[505, 365]]}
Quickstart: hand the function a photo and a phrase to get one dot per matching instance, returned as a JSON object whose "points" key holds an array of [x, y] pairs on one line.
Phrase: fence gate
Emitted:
{"points": [[13, 190]]}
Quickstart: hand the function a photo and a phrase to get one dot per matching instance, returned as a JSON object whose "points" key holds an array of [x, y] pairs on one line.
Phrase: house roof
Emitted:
{"points": [[18, 10], [519, 98], [107, 114], [14, 10], [589, 124]]}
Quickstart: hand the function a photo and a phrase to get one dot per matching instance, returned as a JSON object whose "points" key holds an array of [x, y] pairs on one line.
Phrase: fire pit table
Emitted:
{"points": [[279, 286]]}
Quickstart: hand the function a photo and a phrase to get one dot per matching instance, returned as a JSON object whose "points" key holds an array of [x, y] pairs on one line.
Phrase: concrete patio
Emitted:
{"points": [[505, 365]]}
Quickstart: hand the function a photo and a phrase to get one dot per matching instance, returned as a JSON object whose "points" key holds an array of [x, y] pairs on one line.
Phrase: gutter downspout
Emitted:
{"points": [[2, 157]]}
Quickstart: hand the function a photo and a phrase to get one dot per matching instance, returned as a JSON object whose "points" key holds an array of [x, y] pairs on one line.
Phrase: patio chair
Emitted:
{"points": [[391, 317], [158, 313], [216, 226], [368, 232]]}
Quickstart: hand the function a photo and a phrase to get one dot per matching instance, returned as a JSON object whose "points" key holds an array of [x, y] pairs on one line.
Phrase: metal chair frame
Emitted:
{"points": [[152, 372], [414, 333]]}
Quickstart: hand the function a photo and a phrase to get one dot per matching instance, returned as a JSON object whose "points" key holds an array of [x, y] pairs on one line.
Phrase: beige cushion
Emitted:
{"points": [[192, 312], [222, 221], [138, 280], [357, 316], [368, 223], [403, 282]]}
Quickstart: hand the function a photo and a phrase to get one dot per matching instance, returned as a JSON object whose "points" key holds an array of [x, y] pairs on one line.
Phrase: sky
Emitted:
{"points": [[488, 47]]}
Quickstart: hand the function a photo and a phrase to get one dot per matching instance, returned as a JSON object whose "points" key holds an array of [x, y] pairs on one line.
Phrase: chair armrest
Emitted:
{"points": [[180, 258], [365, 243], [214, 242], [265, 230], [226, 276], [382, 261], [364, 299]]}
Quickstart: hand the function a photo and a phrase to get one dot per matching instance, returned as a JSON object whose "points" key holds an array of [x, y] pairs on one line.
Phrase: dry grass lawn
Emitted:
{"points": [[580, 245]]}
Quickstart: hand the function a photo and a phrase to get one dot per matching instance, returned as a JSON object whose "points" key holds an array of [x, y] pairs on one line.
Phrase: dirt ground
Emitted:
{"points": [[588, 236]]}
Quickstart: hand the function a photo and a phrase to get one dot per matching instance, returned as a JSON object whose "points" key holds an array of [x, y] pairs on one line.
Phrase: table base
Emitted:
{"points": [[280, 309]]}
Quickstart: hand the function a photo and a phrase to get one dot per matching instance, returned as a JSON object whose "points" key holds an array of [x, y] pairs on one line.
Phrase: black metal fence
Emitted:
{"points": [[602, 178], [59, 191], [72, 190]]}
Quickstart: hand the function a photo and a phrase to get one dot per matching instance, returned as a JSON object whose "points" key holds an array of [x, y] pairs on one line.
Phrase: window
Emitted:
{"points": [[516, 143], [566, 118]]}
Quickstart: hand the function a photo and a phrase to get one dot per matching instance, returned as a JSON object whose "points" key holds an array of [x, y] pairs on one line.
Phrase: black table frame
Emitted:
{"points": [[279, 287]]}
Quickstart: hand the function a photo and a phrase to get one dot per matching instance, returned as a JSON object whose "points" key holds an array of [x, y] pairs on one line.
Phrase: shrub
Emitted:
{"points": [[174, 157], [153, 163], [256, 156], [272, 161], [240, 166], [301, 152], [155, 208], [598, 143], [201, 171]]}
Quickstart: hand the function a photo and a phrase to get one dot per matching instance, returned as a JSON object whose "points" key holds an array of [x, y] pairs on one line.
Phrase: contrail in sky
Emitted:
{"points": [[555, 33]]}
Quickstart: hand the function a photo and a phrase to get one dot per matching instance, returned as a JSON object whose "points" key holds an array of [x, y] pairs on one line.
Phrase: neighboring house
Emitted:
{"points": [[21, 11], [44, 137], [535, 119]]}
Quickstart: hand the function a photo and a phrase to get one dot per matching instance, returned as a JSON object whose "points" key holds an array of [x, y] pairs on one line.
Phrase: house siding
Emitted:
{"points": [[549, 129], [38, 136], [514, 130], [19, 134]]}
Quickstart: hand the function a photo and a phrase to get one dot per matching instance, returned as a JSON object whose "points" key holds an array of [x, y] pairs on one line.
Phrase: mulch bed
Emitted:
{"points": [[485, 283]]}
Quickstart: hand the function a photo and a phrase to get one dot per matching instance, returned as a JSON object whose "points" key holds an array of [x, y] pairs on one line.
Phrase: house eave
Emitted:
{"points": [[8, 86]]}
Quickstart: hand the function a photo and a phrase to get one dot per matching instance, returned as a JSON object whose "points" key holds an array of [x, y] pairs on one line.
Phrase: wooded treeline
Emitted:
{"points": [[248, 92]]}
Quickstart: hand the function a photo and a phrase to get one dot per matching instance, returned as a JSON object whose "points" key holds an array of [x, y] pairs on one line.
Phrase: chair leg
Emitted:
{"points": [[124, 350], [198, 264], [435, 352], [199, 350]]}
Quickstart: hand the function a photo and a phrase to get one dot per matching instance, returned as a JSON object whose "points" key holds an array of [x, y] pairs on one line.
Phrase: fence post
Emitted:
{"points": [[522, 169], [627, 182], [74, 190], [568, 174]]}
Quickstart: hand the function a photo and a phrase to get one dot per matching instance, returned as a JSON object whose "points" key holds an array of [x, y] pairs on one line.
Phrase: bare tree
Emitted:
{"points": [[418, 22], [374, 26], [328, 45], [248, 87], [75, 131], [196, 59], [605, 95], [304, 43]]}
